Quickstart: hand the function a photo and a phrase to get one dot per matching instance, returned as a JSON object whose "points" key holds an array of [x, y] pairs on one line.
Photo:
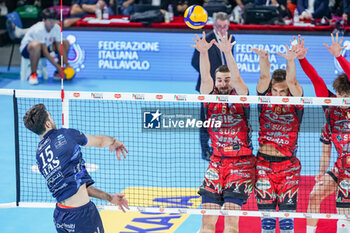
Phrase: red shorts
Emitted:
{"points": [[277, 182], [228, 177], [341, 170]]}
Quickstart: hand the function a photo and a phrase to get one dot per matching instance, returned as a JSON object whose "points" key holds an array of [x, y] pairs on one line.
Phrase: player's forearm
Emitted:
{"points": [[96, 193], [104, 141], [204, 65], [207, 82], [345, 65], [232, 65], [320, 86], [264, 64], [236, 80], [291, 79], [325, 158]]}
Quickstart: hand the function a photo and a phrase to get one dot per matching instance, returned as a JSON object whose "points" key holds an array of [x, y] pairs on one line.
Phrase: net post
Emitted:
{"points": [[18, 177]]}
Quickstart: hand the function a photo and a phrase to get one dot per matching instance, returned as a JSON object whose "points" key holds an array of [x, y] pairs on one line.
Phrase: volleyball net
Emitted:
{"points": [[164, 167]]}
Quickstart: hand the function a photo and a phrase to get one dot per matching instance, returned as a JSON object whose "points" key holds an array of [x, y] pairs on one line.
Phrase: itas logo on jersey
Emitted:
{"points": [[151, 120]]}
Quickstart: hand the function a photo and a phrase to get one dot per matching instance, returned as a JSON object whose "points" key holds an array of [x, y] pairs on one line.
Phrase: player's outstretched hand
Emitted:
{"points": [[260, 52], [118, 146], [289, 55], [225, 44], [335, 48], [201, 44], [298, 47], [120, 200]]}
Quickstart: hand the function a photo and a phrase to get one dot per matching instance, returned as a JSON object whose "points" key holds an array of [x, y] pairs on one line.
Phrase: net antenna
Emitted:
{"points": [[65, 105]]}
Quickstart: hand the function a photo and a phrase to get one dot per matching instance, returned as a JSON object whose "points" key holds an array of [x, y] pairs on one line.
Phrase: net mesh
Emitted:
{"points": [[164, 165]]}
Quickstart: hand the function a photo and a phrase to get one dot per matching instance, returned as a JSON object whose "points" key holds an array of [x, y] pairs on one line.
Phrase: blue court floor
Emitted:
{"points": [[33, 220]]}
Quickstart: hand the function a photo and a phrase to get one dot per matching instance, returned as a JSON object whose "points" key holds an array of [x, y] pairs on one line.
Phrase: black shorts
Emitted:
{"points": [[25, 52]]}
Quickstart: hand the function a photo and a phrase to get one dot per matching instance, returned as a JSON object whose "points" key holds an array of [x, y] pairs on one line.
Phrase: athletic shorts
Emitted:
{"points": [[83, 219], [25, 52], [341, 169], [229, 178], [277, 182]]}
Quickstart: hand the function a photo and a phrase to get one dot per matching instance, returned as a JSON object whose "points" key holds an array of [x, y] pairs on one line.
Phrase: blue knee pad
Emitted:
{"points": [[268, 223], [286, 224]]}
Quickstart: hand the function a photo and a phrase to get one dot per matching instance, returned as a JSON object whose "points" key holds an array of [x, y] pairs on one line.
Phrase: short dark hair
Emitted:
{"points": [[278, 76], [342, 84], [222, 69], [35, 119], [49, 13]]}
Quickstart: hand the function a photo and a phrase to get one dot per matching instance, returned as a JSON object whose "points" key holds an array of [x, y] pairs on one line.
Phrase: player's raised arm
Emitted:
{"points": [[320, 86], [236, 81], [335, 49], [207, 83], [265, 73], [101, 141], [292, 82]]}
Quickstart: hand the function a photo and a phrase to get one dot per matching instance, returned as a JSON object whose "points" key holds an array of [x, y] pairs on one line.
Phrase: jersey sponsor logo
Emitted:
{"points": [[49, 164], [344, 184], [277, 140], [262, 184], [61, 141], [65, 226], [342, 125], [228, 148], [227, 120], [284, 119], [211, 174]]}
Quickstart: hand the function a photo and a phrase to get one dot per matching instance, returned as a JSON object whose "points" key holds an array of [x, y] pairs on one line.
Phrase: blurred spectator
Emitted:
{"points": [[126, 7], [239, 9], [180, 6], [41, 39], [313, 9], [346, 10], [280, 4], [81, 8]]}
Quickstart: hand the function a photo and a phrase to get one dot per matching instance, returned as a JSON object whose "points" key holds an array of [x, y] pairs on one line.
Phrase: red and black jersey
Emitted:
{"points": [[233, 138], [279, 125], [337, 128]]}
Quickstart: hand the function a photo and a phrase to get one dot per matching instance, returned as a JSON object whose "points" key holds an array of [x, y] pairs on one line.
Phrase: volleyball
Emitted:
{"points": [[70, 73], [196, 17]]}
